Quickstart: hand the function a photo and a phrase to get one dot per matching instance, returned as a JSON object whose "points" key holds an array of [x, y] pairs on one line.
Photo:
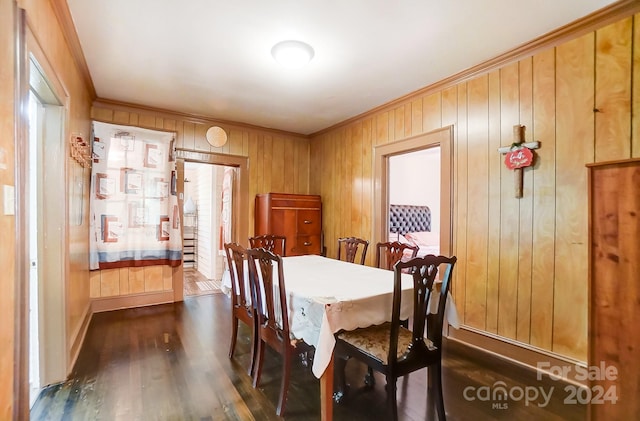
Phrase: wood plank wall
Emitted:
{"points": [[522, 269], [278, 162], [7, 222]]}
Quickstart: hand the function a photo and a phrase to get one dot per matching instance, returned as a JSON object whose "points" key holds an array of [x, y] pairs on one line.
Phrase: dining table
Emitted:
{"points": [[325, 296]]}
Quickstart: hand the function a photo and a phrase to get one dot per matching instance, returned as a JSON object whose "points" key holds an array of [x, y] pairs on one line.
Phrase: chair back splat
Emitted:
{"points": [[388, 253], [272, 242], [396, 350], [350, 246]]}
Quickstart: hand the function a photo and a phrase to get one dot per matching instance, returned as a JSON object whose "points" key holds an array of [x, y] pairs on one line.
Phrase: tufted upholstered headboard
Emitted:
{"points": [[409, 218]]}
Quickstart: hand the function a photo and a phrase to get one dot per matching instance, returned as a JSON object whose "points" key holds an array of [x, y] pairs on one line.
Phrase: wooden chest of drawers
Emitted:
{"points": [[296, 216]]}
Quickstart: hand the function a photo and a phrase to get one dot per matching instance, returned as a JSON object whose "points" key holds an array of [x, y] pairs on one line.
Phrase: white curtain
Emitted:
{"points": [[134, 205]]}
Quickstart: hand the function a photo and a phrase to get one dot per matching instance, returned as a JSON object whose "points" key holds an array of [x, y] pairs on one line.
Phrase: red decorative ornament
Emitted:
{"points": [[518, 158]]}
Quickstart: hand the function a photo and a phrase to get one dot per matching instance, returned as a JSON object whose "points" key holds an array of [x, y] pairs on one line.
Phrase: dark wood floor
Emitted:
{"points": [[169, 362]]}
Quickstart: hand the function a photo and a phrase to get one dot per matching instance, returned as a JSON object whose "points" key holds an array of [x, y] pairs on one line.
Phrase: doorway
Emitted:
{"points": [[207, 225], [46, 227], [416, 199], [426, 148]]}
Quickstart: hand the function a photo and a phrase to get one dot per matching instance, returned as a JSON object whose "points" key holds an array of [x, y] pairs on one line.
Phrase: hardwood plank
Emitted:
{"points": [[431, 112], [356, 175], [525, 234], [544, 199], [416, 117], [574, 137], [460, 202], [475, 306], [509, 209], [494, 180], [613, 91]]}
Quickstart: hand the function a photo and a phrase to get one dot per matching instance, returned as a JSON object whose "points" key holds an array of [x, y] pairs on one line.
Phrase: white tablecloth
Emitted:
{"points": [[326, 295]]}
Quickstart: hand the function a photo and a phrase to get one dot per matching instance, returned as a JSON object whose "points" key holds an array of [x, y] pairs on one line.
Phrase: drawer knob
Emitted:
{"points": [[307, 243], [306, 221]]}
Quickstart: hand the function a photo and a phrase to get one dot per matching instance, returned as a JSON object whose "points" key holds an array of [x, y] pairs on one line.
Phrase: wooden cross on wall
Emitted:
{"points": [[519, 155]]}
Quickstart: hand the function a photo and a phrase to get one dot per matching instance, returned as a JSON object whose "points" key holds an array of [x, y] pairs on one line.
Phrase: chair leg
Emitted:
{"points": [[340, 386], [369, 379], [234, 335], [284, 386], [438, 392], [391, 398], [254, 348], [259, 359]]}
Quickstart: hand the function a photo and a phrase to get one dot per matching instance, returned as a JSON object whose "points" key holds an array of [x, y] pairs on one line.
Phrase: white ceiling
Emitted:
{"points": [[212, 57]]}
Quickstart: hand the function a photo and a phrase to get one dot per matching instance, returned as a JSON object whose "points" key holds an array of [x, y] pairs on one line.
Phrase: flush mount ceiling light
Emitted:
{"points": [[292, 54], [216, 136]]}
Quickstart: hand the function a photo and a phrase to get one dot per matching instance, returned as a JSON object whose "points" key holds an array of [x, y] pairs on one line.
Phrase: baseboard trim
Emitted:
{"points": [[78, 338], [527, 356], [99, 305]]}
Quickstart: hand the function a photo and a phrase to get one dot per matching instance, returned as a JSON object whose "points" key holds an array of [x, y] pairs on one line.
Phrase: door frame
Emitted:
{"points": [[441, 137], [239, 198]]}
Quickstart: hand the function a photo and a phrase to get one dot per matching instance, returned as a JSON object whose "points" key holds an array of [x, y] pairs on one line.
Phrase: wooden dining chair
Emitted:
{"points": [[241, 301], [272, 242], [350, 246], [388, 253], [395, 350], [267, 279]]}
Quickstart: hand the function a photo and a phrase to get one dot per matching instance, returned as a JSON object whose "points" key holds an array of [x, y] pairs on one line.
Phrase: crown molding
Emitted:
{"points": [[61, 10]]}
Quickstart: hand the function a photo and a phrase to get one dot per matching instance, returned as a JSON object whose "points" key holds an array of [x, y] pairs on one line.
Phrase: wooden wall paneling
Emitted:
{"points": [[344, 182], [330, 198], [416, 116], [120, 117], [613, 91], [289, 166], [509, 208], [94, 284], [382, 128], [525, 235], [449, 117], [102, 114], [408, 118], [179, 134], [8, 281], [259, 166], [167, 280], [134, 119], [461, 209], [267, 162], [431, 113], [159, 123], [477, 227], [495, 160], [574, 140], [153, 278], [147, 121], [635, 103], [136, 280], [188, 135], [109, 282], [200, 142], [544, 209], [366, 220], [169, 125], [124, 281], [356, 175], [304, 165]]}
